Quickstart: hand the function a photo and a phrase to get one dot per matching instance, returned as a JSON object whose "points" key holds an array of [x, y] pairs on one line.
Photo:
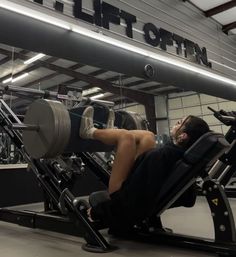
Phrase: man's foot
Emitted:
{"points": [[111, 119], [86, 124]]}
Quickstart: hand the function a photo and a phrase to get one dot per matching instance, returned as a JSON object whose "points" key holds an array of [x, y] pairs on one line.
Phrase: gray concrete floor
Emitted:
{"points": [[16, 241]]}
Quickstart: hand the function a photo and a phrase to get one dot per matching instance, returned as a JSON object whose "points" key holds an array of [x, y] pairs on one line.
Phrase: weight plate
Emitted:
{"points": [[62, 133], [64, 127], [55, 138], [136, 119], [45, 142], [130, 120]]}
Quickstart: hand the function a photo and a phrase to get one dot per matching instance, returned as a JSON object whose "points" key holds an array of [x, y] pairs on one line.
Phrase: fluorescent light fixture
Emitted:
{"points": [[97, 96], [35, 58], [15, 79], [98, 36], [91, 91], [7, 80], [20, 77]]}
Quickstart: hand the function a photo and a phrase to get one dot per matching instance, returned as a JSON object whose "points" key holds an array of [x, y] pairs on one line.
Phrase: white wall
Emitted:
{"points": [[184, 104], [192, 103]]}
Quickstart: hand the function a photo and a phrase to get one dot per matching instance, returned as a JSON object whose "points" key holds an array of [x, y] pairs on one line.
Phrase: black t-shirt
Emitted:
{"points": [[149, 173], [136, 197]]}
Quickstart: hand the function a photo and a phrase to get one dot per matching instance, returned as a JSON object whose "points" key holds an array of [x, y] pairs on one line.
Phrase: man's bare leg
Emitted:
{"points": [[125, 147], [129, 145], [125, 154], [145, 140]]}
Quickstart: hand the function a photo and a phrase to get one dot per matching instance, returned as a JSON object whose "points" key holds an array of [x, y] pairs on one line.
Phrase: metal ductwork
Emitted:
{"points": [[27, 33]]}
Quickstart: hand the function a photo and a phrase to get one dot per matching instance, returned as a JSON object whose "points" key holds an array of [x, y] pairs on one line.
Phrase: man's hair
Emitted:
{"points": [[194, 127]]}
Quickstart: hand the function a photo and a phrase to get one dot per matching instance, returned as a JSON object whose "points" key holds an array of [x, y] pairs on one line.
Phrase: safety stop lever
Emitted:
{"points": [[224, 117]]}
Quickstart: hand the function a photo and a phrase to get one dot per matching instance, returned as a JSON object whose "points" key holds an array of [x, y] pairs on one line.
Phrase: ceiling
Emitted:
{"points": [[50, 72], [223, 11]]}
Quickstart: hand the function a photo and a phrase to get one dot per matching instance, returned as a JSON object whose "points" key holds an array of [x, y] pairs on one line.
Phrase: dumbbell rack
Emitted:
{"points": [[72, 219]]}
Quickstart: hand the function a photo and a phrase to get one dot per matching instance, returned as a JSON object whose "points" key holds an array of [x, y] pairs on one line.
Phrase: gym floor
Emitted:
{"points": [[17, 241]]}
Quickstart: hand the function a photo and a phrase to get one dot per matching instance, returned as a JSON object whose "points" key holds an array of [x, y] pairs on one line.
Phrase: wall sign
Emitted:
{"points": [[104, 14]]}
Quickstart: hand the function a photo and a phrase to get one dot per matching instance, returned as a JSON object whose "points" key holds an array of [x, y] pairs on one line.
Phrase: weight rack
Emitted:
{"points": [[72, 219]]}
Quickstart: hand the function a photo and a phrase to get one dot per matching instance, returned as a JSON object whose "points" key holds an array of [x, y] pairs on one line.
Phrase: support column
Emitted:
{"points": [[161, 111]]}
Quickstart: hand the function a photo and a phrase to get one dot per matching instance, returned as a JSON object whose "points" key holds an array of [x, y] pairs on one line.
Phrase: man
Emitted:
{"points": [[140, 168]]}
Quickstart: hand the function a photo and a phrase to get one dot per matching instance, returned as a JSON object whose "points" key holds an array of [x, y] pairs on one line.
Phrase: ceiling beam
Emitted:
{"points": [[154, 87], [226, 28], [71, 81], [74, 80], [37, 64], [51, 76], [137, 95], [118, 78], [15, 55], [220, 8], [10, 56], [141, 97], [136, 83]]}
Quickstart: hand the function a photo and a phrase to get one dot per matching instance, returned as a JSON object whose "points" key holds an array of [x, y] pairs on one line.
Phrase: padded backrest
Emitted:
{"points": [[197, 159]]}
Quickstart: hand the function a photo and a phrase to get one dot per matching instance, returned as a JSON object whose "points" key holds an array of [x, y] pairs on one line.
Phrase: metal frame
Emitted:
{"points": [[225, 167], [60, 196], [224, 226], [221, 212], [75, 222]]}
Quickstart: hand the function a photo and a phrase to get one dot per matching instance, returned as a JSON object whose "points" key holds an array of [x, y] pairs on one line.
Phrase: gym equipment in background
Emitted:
{"points": [[66, 213]]}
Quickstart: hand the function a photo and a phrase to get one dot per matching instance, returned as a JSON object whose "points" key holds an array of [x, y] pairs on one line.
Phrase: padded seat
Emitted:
{"points": [[196, 161]]}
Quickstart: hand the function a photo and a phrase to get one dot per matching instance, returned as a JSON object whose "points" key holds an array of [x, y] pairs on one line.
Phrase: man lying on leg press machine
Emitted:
{"points": [[139, 168]]}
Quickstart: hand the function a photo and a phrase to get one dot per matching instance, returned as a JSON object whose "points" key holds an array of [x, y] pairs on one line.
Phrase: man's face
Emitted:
{"points": [[177, 127]]}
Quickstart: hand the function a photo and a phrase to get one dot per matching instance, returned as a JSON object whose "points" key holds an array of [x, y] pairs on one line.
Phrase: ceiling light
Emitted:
{"points": [[35, 58], [98, 36], [91, 91], [7, 80], [96, 96], [15, 79]]}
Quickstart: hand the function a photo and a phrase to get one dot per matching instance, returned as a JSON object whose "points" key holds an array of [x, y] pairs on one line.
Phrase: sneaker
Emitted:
{"points": [[111, 119], [86, 123]]}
